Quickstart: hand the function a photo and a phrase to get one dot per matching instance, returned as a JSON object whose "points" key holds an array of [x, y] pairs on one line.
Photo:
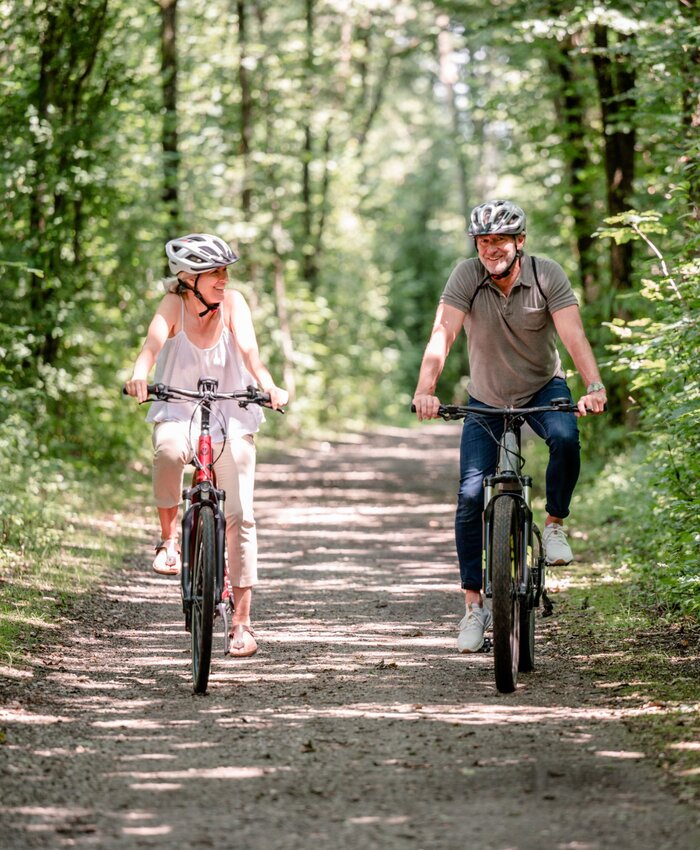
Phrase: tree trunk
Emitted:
{"points": [[449, 78], [246, 121], [691, 120], [615, 79], [54, 219], [283, 316], [571, 113], [169, 138]]}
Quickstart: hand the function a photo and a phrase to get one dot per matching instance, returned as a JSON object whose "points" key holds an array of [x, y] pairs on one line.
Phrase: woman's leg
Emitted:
{"points": [[235, 473], [171, 451]]}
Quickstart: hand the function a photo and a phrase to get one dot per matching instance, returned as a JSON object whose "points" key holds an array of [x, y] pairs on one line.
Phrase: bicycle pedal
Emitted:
{"points": [[486, 645]]}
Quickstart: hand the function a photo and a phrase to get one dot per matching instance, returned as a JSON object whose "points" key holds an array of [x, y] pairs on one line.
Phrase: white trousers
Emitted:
{"points": [[235, 473]]}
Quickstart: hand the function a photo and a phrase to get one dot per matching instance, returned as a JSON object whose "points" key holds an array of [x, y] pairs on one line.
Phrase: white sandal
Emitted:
{"points": [[170, 565]]}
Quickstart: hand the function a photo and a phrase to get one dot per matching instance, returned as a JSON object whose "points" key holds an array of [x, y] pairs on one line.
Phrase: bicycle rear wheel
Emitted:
{"points": [[505, 555], [203, 584], [526, 662]]}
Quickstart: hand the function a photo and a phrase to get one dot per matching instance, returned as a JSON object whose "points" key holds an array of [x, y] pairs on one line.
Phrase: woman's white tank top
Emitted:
{"points": [[181, 364]]}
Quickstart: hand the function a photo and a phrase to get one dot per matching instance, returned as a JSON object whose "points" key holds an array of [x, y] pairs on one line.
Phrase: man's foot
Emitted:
{"points": [[242, 642], [167, 559], [472, 627], [557, 551]]}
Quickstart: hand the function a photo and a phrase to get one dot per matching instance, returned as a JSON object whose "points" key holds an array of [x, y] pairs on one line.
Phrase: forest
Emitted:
{"points": [[339, 146]]}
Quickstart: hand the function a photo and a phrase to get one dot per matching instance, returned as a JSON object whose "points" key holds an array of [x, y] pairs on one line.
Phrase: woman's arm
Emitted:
{"points": [[241, 325], [158, 331]]}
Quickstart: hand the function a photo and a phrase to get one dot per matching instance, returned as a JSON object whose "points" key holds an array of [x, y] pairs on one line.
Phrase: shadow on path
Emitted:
{"points": [[357, 725]]}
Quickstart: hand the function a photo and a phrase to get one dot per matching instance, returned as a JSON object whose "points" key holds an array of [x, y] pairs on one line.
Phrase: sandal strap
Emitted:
{"points": [[164, 545], [245, 628]]}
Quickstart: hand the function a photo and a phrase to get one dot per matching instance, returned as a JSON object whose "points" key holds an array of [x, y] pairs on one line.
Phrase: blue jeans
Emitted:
{"points": [[478, 457]]}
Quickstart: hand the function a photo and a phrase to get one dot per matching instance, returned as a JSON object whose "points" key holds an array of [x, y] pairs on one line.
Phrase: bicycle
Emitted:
{"points": [[203, 579], [514, 565]]}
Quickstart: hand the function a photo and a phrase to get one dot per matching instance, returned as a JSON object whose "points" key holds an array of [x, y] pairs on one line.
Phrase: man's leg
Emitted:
{"points": [[478, 455], [560, 432]]}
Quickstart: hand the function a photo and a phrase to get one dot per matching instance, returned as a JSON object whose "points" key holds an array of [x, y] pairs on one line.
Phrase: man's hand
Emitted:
{"points": [[592, 403], [426, 406]]}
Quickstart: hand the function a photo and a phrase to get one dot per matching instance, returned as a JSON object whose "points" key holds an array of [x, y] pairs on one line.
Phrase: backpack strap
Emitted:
{"points": [[478, 290], [537, 280]]}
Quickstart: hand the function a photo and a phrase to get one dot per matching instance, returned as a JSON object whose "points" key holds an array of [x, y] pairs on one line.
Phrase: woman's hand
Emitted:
{"points": [[278, 397], [137, 388]]}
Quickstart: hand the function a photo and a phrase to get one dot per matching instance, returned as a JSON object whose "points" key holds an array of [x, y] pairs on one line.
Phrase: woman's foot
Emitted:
{"points": [[242, 642], [167, 559]]}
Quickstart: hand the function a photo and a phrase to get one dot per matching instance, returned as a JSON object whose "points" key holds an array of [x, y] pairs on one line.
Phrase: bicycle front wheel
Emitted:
{"points": [[527, 613], [203, 584], [505, 555]]}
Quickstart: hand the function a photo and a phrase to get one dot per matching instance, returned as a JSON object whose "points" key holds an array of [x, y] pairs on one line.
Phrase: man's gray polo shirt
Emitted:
{"points": [[512, 341]]}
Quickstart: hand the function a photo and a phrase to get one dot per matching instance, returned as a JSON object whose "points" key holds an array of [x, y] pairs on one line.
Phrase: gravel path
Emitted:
{"points": [[357, 725]]}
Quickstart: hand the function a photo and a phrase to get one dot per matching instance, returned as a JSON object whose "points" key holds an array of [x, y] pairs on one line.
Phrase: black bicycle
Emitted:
{"points": [[204, 581], [514, 564]]}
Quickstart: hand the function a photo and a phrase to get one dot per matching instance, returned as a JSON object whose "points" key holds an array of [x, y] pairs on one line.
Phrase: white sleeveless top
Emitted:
{"points": [[181, 364]]}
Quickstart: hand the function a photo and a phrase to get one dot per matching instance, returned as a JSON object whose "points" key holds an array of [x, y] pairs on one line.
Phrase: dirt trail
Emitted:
{"points": [[356, 725]]}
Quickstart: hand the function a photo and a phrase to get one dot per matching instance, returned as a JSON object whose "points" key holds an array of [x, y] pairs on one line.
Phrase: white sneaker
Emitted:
{"points": [[557, 551], [472, 627]]}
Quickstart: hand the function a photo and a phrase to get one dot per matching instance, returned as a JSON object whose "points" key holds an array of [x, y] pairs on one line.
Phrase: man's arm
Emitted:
{"points": [[448, 323], [569, 326]]}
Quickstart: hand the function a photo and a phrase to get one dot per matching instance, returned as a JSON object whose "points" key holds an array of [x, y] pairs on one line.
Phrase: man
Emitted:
{"points": [[512, 307]]}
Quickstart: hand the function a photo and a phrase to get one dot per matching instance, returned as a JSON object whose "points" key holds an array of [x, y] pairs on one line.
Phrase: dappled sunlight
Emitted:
{"points": [[20, 715], [356, 722]]}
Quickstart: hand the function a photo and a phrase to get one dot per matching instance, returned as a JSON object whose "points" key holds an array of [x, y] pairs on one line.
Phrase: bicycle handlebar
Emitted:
{"points": [[459, 411], [250, 395]]}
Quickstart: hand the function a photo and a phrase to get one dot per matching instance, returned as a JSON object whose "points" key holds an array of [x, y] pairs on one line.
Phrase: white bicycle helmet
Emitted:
{"points": [[497, 217], [197, 253]]}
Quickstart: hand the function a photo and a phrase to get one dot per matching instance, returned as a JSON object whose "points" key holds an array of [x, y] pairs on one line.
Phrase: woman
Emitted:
{"points": [[201, 329]]}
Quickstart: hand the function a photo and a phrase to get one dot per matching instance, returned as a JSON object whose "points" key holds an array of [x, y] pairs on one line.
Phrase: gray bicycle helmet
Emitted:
{"points": [[197, 253], [497, 217]]}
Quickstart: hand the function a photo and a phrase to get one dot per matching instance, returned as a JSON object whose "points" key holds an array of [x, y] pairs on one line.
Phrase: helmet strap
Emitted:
{"points": [[210, 308], [518, 255]]}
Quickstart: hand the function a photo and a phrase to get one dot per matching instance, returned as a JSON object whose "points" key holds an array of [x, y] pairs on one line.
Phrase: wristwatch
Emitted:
{"points": [[595, 387]]}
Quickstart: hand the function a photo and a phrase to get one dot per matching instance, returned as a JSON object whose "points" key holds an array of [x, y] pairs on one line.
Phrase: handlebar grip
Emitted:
{"points": [[151, 389], [413, 408]]}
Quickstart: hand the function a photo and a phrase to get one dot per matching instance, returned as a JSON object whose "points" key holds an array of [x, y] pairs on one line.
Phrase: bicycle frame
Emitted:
{"points": [[508, 483], [204, 491], [204, 584]]}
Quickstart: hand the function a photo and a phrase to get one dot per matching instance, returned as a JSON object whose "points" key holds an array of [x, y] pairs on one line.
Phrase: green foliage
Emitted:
{"points": [[340, 152], [659, 354]]}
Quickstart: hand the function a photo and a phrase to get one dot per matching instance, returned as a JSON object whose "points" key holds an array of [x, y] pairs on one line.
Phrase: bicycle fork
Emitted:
{"points": [[193, 499], [531, 574]]}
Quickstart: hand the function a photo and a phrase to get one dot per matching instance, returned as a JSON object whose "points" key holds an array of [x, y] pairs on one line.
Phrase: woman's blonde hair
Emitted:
{"points": [[174, 285]]}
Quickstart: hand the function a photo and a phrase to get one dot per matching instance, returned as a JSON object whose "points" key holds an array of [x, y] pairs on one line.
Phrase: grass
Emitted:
{"points": [[643, 655], [642, 663], [62, 553], [644, 659]]}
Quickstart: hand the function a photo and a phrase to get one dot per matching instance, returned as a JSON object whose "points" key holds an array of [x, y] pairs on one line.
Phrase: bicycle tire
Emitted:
{"points": [[505, 608], [203, 589], [526, 661]]}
